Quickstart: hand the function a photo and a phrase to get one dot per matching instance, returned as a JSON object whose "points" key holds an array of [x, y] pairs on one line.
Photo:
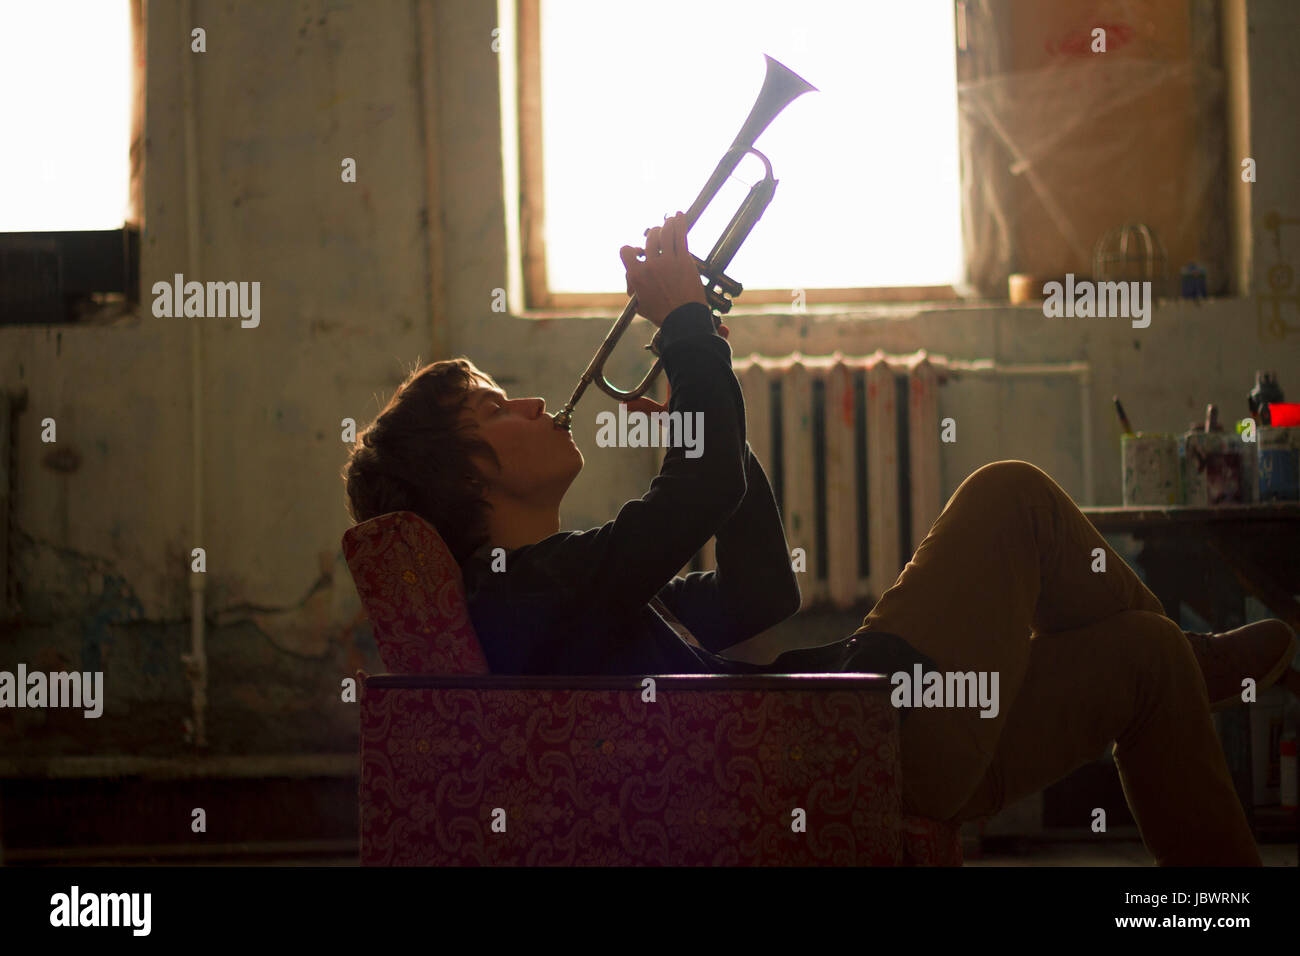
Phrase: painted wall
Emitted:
{"points": [[283, 94]]}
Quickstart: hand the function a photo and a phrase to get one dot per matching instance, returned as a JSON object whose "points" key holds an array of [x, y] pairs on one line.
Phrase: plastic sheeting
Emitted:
{"points": [[1062, 144]]}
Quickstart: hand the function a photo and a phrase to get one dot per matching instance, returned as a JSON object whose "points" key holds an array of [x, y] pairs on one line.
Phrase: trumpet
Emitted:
{"points": [[781, 86]]}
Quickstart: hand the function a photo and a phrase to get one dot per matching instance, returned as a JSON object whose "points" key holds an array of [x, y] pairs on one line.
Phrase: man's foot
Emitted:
{"points": [[1261, 651]]}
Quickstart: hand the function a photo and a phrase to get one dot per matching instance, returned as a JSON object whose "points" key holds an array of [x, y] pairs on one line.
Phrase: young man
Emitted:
{"points": [[1003, 583]]}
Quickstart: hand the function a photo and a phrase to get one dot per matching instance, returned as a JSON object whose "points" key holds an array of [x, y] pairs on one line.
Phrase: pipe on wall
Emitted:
{"points": [[196, 661]]}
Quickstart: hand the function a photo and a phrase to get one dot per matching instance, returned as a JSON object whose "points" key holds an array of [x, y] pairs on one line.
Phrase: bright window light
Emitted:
{"points": [[65, 69], [639, 102]]}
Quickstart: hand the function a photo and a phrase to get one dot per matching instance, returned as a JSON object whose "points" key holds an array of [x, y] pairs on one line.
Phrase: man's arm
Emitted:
{"points": [[627, 561], [754, 587]]}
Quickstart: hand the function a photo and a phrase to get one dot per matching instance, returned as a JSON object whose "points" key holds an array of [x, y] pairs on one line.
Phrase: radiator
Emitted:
{"points": [[851, 446]]}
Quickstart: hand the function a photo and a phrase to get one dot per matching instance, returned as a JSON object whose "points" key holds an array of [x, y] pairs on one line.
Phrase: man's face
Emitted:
{"points": [[538, 460]]}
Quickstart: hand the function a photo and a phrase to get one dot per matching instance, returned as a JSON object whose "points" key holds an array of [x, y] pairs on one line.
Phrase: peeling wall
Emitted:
{"points": [[284, 92]]}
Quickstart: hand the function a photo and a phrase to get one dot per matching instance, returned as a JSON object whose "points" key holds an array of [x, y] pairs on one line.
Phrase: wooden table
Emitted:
{"points": [[1210, 559]]}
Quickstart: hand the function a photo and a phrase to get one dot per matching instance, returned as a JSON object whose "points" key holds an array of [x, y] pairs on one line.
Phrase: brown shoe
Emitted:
{"points": [[1261, 650]]}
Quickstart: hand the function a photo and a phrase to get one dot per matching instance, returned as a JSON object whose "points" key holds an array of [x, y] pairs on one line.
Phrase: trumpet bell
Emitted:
{"points": [[781, 86]]}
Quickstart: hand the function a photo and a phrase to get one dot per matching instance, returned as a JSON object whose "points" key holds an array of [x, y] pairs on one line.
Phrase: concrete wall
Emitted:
{"points": [[358, 282]]}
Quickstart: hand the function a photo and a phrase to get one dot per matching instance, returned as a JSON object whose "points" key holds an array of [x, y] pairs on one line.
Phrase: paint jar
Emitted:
{"points": [[1150, 469], [1212, 469], [1022, 288], [1279, 464], [1250, 470]]}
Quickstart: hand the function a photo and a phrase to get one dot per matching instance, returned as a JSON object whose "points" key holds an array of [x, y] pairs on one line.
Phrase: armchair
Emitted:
{"points": [[463, 767]]}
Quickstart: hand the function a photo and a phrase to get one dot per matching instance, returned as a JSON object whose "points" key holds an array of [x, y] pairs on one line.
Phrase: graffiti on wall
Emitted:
{"points": [[1281, 300]]}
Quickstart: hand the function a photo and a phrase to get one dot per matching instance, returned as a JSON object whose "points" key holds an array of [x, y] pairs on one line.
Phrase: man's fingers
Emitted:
{"points": [[631, 263], [669, 241], [666, 238], [653, 240], [647, 405]]}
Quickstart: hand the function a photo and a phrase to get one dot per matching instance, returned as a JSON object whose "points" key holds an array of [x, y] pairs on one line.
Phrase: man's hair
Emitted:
{"points": [[415, 456]]}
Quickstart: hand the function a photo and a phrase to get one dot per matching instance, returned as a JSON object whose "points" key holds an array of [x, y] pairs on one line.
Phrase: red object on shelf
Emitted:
{"points": [[1282, 414]]}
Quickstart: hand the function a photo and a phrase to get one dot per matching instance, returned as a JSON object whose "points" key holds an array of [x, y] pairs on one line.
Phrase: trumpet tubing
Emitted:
{"points": [[781, 86]]}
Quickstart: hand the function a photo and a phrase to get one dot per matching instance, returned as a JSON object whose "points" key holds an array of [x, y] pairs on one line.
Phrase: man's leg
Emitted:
{"points": [[1009, 556], [1131, 678]]}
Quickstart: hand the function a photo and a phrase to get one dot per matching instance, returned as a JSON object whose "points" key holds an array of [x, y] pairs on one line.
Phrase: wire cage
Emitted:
{"points": [[1132, 253]]}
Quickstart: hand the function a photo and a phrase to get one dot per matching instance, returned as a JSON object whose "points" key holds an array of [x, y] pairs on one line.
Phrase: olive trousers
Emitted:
{"points": [[1010, 580]]}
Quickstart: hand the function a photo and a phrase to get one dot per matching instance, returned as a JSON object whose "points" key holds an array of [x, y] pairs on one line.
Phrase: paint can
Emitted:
{"points": [[1249, 467], [1212, 468], [1022, 288], [1279, 464], [1150, 469]]}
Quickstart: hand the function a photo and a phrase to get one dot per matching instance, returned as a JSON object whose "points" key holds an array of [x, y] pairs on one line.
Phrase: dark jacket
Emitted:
{"points": [[578, 602]]}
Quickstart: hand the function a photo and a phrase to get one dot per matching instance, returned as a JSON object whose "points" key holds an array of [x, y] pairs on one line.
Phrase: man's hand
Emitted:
{"points": [[649, 405], [663, 275]]}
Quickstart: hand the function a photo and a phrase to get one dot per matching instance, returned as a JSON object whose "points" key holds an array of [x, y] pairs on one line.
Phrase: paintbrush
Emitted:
{"points": [[1123, 419]]}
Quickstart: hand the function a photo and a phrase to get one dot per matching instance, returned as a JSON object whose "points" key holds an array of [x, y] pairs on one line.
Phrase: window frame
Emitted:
{"points": [[98, 270], [537, 294], [94, 269]]}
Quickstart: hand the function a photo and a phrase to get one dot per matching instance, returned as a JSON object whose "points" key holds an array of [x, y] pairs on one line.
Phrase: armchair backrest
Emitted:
{"points": [[412, 590]]}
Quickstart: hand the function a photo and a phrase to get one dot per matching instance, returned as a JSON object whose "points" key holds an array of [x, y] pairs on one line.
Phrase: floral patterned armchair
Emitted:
{"points": [[462, 767]]}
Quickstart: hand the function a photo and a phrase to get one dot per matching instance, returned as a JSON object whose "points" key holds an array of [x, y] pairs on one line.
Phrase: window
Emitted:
{"points": [[626, 109], [65, 171], [1076, 125]]}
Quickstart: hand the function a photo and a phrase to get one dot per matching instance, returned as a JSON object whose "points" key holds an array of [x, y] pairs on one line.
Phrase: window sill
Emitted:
{"points": [[817, 311], [108, 309], [857, 310]]}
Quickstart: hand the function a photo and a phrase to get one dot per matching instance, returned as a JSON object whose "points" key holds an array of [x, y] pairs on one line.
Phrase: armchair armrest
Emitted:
{"points": [[752, 769], [874, 683]]}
